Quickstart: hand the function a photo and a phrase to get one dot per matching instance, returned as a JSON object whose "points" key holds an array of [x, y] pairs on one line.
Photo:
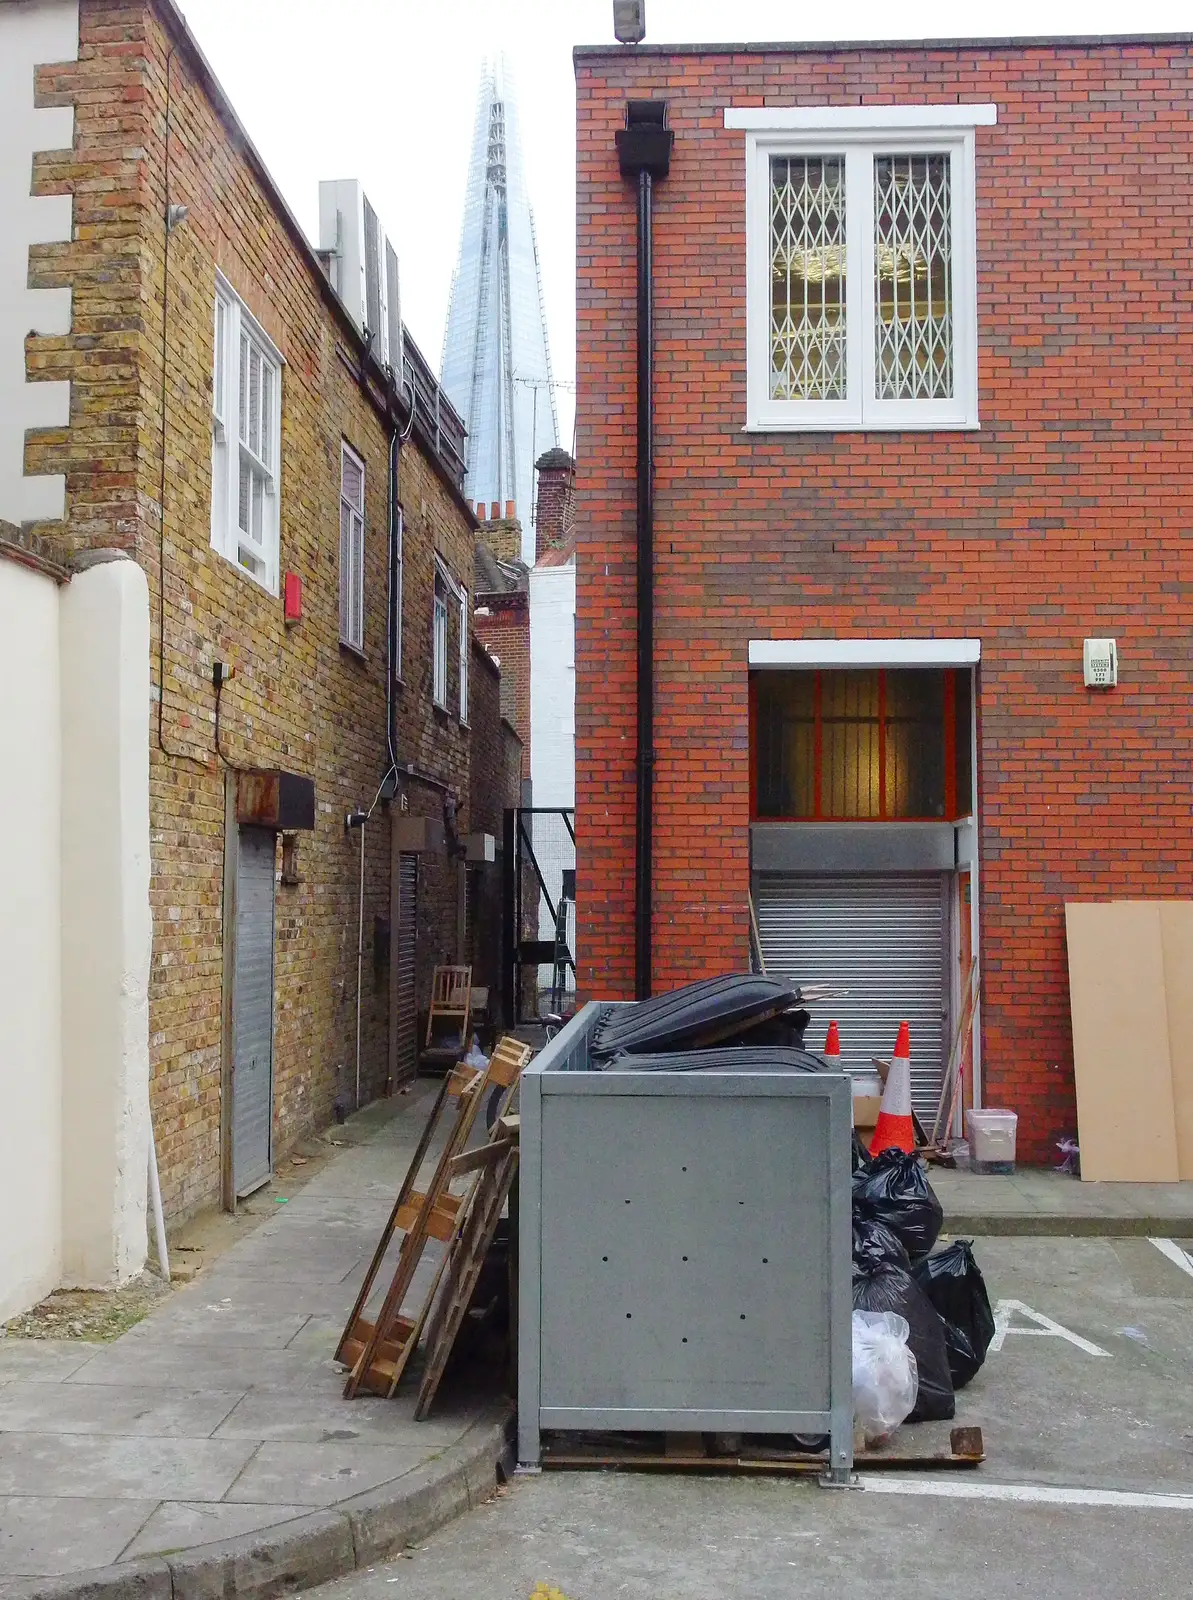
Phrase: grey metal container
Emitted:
{"points": [[685, 1250]]}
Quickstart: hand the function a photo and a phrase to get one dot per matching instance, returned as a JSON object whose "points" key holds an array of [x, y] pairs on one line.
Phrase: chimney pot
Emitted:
{"points": [[509, 509]]}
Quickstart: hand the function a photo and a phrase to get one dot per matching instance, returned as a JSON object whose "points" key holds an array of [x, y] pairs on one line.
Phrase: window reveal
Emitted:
{"points": [[861, 745]]}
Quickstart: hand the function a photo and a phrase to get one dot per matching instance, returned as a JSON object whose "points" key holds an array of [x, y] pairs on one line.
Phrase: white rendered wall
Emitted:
{"points": [[106, 925], [30, 937], [32, 32], [553, 685]]}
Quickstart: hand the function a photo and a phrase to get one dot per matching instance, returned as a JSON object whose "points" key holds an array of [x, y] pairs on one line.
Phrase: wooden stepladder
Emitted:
{"points": [[377, 1351]]}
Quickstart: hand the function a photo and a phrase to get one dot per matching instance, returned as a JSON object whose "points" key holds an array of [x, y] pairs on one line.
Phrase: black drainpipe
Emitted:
{"points": [[644, 153]]}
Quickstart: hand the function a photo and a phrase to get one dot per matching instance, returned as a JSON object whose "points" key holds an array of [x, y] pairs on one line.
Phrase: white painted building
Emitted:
{"points": [[75, 929], [553, 694]]}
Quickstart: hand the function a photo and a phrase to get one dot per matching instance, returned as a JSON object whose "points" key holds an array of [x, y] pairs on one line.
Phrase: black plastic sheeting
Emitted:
{"points": [[699, 1014], [759, 1058]]}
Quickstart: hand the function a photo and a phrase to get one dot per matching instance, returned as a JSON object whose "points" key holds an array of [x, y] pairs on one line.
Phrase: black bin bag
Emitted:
{"points": [[953, 1282], [894, 1189], [873, 1241], [883, 1286]]}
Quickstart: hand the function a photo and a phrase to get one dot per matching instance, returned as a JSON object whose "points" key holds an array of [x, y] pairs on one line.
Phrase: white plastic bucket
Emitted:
{"points": [[991, 1136]]}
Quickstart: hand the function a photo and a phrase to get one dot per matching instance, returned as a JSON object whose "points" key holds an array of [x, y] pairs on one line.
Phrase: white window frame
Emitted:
{"points": [[233, 321], [857, 134], [352, 556], [440, 590]]}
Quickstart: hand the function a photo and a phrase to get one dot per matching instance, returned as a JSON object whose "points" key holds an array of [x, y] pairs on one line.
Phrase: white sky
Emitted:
{"points": [[385, 91]]}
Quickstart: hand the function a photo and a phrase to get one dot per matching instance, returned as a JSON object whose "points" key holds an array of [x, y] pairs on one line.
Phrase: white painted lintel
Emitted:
{"points": [[865, 652], [849, 119]]}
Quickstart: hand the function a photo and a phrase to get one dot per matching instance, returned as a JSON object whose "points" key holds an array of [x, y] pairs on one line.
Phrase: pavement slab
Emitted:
{"points": [[215, 1432], [320, 1474], [43, 1536], [136, 1467], [179, 1524], [81, 1408]]}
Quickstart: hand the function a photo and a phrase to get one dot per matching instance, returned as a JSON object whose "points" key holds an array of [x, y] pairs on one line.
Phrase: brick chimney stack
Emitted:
{"points": [[502, 534], [556, 511]]}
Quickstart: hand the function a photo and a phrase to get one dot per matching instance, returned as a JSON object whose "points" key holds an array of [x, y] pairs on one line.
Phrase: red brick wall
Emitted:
{"points": [[505, 633], [1066, 515]]}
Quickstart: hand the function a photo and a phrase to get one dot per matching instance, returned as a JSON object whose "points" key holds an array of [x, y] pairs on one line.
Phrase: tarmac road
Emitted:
{"points": [[1086, 1494]]}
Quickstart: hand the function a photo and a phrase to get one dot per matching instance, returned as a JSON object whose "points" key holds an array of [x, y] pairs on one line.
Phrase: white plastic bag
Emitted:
{"points": [[476, 1057], [885, 1379]]}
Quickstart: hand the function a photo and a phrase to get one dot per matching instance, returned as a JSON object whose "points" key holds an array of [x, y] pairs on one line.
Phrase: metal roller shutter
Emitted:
{"points": [[406, 1021], [885, 940], [252, 1012]]}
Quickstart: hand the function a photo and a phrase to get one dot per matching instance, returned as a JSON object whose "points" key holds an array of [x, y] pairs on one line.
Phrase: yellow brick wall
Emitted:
{"points": [[298, 699]]}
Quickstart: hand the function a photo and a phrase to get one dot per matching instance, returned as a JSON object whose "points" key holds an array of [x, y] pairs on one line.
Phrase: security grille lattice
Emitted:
{"points": [[913, 301], [808, 347]]}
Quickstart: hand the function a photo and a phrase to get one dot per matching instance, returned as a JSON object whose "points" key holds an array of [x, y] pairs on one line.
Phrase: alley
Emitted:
{"points": [[1097, 1449]]}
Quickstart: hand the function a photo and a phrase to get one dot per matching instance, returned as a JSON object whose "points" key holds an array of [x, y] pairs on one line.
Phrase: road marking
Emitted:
{"points": [[1030, 1493], [1045, 1328], [1178, 1257]]}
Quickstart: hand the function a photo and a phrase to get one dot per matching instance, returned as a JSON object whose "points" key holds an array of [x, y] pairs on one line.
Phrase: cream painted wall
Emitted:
{"points": [[106, 925], [75, 930], [553, 685], [31, 32], [30, 937]]}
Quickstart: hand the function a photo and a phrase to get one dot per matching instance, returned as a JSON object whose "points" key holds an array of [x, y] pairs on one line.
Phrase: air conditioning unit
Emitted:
{"points": [[364, 266]]}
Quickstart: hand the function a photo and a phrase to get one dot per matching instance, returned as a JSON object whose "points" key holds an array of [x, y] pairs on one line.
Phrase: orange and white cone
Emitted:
{"points": [[895, 1130], [832, 1048]]}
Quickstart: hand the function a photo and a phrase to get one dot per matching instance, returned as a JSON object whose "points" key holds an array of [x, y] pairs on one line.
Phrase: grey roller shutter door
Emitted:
{"points": [[885, 939], [252, 1013], [406, 1021]]}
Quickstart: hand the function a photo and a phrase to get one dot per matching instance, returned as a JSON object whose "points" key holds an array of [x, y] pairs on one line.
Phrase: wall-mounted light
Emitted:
{"points": [[175, 216], [629, 21]]}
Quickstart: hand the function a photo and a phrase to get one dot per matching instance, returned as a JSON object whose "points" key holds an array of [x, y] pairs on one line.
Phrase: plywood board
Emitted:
{"points": [[1176, 923], [1126, 1121]]}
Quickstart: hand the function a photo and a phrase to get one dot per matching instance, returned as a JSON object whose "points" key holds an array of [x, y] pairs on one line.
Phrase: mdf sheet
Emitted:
{"points": [[1126, 1120], [1176, 924]]}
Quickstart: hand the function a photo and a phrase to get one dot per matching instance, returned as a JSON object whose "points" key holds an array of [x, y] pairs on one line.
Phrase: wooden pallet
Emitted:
{"points": [[498, 1167], [377, 1351], [691, 1453]]}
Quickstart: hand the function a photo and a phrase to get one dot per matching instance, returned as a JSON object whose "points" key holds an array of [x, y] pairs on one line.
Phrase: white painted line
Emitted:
{"points": [[1178, 1257], [1025, 1493], [1044, 1328]]}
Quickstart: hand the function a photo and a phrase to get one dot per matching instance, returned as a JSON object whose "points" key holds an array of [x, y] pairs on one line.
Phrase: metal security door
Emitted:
{"points": [[406, 1021], [884, 939], [252, 1013]]}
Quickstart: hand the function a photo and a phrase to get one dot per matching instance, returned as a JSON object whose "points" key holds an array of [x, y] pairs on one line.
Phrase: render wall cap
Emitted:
{"points": [[97, 558]]}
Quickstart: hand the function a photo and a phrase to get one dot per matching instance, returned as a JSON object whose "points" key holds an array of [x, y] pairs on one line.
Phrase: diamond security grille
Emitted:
{"points": [[913, 278], [807, 278]]}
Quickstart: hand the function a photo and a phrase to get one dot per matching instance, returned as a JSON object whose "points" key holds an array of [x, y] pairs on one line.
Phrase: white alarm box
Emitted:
{"points": [[1100, 660]]}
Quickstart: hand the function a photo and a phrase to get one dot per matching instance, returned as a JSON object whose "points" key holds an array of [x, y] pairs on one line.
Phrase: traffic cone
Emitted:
{"points": [[832, 1048], [895, 1130]]}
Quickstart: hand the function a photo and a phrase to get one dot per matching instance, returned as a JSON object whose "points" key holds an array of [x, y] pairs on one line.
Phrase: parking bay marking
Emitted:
{"points": [[1040, 1494], [1044, 1328], [1178, 1257]]}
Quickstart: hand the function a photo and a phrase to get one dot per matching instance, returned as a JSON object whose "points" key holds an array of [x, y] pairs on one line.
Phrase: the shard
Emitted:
{"points": [[496, 364]]}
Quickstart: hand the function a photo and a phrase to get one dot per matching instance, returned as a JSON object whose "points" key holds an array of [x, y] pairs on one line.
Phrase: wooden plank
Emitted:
{"points": [[1126, 1116], [392, 1224], [464, 1263], [485, 1155], [436, 1214]]}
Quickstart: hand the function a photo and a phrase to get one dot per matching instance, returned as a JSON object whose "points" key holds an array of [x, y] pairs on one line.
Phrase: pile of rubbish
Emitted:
{"points": [[922, 1321], [742, 1023]]}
